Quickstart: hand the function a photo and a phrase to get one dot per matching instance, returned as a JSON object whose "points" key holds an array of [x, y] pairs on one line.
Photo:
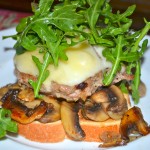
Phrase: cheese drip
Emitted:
{"points": [[83, 62]]}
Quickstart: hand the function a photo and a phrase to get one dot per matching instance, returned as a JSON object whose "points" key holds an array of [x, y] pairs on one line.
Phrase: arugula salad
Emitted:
{"points": [[52, 24]]}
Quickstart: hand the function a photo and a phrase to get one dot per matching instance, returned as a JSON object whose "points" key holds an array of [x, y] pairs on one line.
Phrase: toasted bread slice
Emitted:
{"points": [[54, 132]]}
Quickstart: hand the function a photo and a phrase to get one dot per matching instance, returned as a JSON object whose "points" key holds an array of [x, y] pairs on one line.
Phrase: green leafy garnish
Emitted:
{"points": [[52, 24], [43, 73], [6, 124]]}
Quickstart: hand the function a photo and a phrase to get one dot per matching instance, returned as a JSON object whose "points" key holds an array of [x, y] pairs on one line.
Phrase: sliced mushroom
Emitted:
{"points": [[26, 94], [105, 103], [118, 104], [5, 89], [133, 121], [20, 112], [52, 113], [113, 143], [109, 136], [94, 111], [31, 104], [100, 96], [25, 98], [70, 121]]}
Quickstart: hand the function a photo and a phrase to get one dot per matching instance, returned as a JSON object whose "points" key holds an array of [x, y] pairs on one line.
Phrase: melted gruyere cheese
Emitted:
{"points": [[83, 62]]}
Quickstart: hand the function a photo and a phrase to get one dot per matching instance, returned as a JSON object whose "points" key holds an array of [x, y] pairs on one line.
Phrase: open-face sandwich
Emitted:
{"points": [[76, 63]]}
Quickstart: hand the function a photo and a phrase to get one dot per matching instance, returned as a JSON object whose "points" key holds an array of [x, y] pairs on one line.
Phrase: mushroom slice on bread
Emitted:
{"points": [[94, 111], [131, 122], [70, 121], [20, 112], [105, 103], [51, 114], [118, 105]]}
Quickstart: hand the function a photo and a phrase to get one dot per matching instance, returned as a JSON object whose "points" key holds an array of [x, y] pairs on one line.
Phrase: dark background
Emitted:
{"points": [[142, 9]]}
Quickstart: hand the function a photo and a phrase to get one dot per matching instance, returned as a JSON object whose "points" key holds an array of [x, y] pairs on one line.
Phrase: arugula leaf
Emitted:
{"points": [[135, 83], [23, 22], [43, 73], [93, 12], [27, 44], [6, 124], [63, 19], [44, 32], [51, 24], [44, 7], [110, 76], [141, 36], [128, 12]]}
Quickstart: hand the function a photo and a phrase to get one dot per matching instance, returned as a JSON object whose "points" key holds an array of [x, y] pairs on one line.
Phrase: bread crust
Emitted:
{"points": [[44, 133]]}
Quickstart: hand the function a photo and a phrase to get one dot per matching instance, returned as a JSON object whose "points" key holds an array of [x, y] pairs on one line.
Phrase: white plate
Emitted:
{"points": [[7, 76]]}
